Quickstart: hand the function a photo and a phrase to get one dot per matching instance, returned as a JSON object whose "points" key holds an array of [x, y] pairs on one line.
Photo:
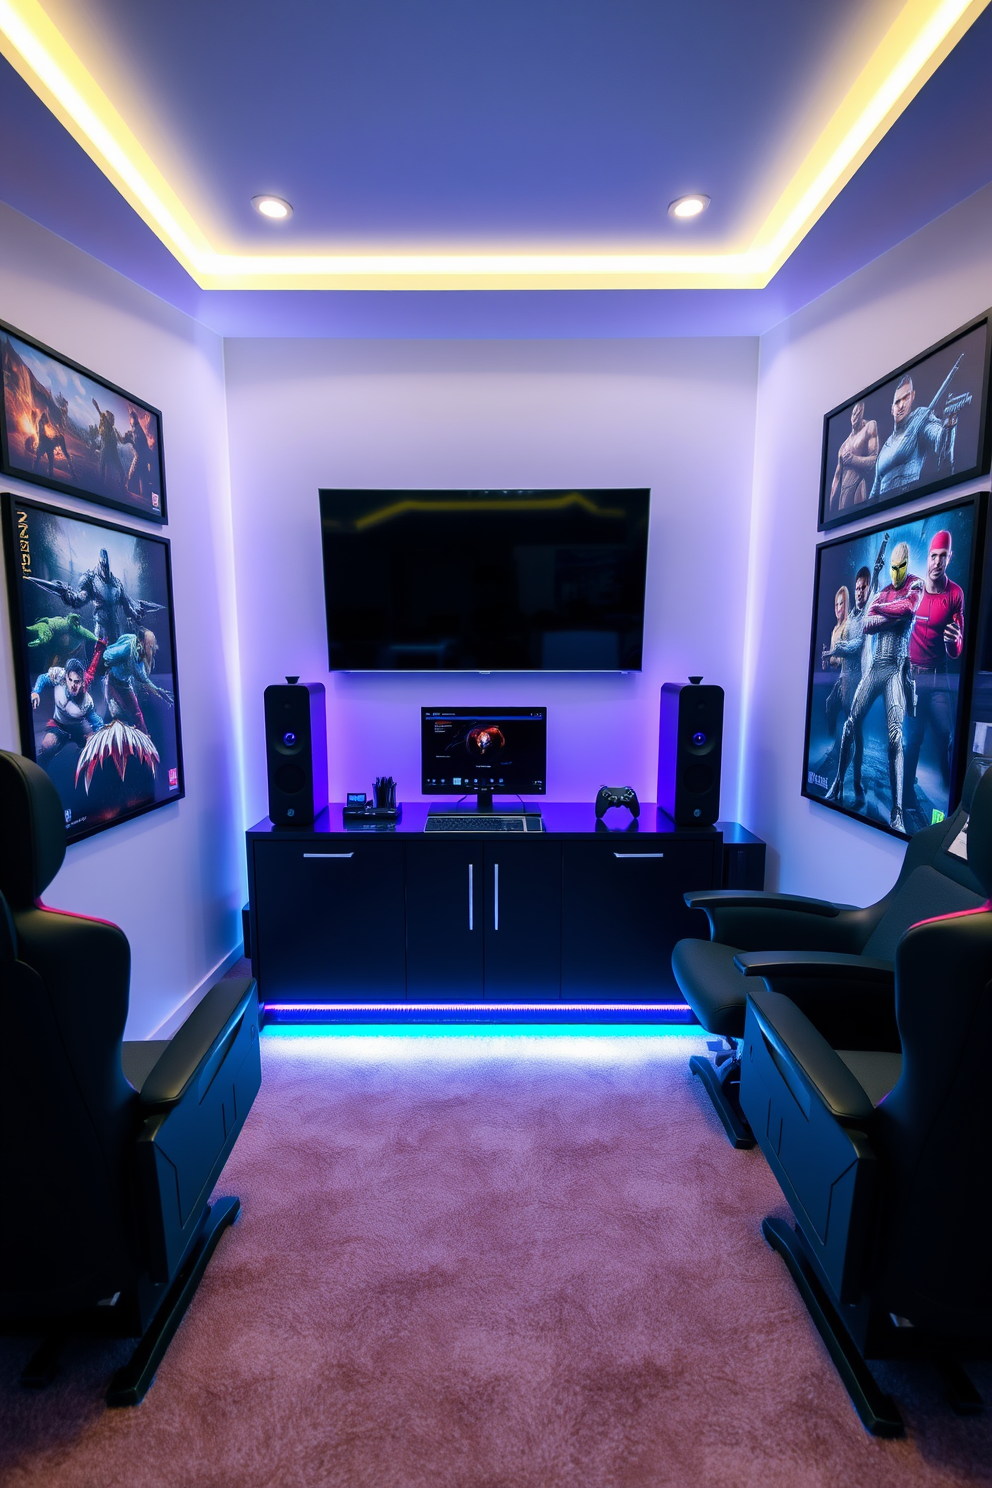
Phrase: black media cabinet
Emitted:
{"points": [[376, 914]]}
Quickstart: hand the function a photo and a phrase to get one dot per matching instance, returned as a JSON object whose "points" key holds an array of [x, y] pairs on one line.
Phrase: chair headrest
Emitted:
{"points": [[32, 830], [980, 833], [976, 770]]}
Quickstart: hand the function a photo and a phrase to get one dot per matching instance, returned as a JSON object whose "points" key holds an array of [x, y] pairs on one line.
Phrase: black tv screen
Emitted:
{"points": [[510, 581]]}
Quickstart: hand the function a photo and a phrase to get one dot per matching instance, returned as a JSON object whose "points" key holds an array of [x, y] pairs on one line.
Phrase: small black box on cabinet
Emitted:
{"points": [[743, 858]]}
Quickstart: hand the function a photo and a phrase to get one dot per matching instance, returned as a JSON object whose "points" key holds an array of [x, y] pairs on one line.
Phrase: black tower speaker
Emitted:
{"points": [[296, 752], [690, 746]]}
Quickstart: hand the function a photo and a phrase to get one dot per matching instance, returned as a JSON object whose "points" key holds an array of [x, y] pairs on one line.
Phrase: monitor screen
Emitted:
{"points": [[502, 750], [484, 580]]}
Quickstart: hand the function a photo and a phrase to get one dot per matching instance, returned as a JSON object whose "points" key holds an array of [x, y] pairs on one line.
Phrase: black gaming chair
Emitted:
{"points": [[838, 939], [883, 1154], [109, 1150]]}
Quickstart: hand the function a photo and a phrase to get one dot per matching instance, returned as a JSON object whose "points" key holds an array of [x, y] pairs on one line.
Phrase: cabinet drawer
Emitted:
{"points": [[330, 920], [623, 911]]}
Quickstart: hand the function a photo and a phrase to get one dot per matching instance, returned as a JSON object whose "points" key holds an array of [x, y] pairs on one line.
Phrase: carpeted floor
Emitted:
{"points": [[526, 1265]]}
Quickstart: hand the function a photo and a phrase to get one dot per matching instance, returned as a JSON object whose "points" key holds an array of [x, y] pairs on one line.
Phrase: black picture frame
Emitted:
{"points": [[117, 753], [979, 734], [961, 452], [46, 397], [932, 768]]}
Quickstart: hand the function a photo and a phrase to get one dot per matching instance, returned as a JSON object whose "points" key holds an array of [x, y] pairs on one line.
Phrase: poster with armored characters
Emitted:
{"points": [[95, 658], [920, 429], [63, 427], [890, 656]]}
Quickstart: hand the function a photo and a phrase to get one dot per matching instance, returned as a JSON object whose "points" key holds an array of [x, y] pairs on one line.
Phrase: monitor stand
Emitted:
{"points": [[482, 806]]}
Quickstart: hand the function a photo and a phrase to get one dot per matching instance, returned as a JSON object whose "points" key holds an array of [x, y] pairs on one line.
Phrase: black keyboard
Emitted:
{"points": [[483, 824]]}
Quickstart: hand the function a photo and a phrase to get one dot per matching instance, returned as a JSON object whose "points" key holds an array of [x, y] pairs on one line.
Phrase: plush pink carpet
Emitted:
{"points": [[486, 1270]]}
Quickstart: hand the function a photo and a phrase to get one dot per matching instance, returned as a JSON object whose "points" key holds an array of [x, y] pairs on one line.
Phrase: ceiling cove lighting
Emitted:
{"points": [[273, 207], [921, 36], [688, 206]]}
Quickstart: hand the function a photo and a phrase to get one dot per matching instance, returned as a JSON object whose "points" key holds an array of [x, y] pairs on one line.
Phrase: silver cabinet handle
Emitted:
{"points": [[329, 855], [495, 896], [471, 899], [638, 855]]}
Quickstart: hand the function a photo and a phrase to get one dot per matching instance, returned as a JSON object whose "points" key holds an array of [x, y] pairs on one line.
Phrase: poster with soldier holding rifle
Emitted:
{"points": [[918, 430]]}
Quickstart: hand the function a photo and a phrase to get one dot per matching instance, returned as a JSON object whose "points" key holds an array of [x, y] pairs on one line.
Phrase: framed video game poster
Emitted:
{"points": [[63, 427], [95, 661], [920, 429], [891, 651]]}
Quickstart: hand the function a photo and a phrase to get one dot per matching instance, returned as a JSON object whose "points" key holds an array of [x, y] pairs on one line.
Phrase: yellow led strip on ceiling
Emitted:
{"points": [[913, 48]]}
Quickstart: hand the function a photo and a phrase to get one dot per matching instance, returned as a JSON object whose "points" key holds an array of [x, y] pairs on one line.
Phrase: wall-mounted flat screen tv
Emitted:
{"points": [[485, 581]]}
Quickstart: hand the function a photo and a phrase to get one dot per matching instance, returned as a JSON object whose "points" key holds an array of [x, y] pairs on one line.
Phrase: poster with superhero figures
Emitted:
{"points": [[64, 427], [890, 653], [919, 430], [95, 657]]}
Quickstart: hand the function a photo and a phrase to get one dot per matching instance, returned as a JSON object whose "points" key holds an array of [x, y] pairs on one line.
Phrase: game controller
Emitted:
{"points": [[616, 795]]}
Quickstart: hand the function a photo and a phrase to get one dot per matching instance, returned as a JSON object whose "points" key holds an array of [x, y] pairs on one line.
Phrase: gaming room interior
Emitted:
{"points": [[495, 846]]}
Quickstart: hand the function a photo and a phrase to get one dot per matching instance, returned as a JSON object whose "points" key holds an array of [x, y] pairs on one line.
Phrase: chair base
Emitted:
{"points": [[131, 1382], [721, 1078], [878, 1411]]}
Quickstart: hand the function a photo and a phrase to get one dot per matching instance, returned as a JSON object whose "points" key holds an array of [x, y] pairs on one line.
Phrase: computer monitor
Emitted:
{"points": [[483, 751]]}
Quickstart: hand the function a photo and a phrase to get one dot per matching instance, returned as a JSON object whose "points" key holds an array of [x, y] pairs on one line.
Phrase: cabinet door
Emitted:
{"points": [[445, 930], [623, 911], [523, 921], [330, 920]]}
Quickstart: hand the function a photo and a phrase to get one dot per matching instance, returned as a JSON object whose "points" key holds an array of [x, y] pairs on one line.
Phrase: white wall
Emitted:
{"points": [[882, 316], [172, 879], [675, 415]]}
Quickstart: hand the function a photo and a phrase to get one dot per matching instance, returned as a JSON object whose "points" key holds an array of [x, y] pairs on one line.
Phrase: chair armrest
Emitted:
{"points": [[752, 921], [820, 964], [802, 1053], [850, 1000], [199, 1046], [759, 899]]}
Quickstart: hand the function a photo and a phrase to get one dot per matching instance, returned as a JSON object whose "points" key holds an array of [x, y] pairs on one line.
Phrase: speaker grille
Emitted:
{"points": [[289, 779], [698, 779]]}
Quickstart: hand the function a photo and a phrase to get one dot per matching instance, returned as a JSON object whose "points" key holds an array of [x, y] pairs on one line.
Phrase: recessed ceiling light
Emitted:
{"points": [[688, 206], [272, 206]]}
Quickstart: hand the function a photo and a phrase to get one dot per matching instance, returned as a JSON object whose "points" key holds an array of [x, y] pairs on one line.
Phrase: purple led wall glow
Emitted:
{"points": [[503, 415]]}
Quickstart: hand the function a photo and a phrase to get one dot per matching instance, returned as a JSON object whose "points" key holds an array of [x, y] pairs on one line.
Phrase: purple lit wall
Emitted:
{"points": [[173, 879], [675, 415], [881, 316]]}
